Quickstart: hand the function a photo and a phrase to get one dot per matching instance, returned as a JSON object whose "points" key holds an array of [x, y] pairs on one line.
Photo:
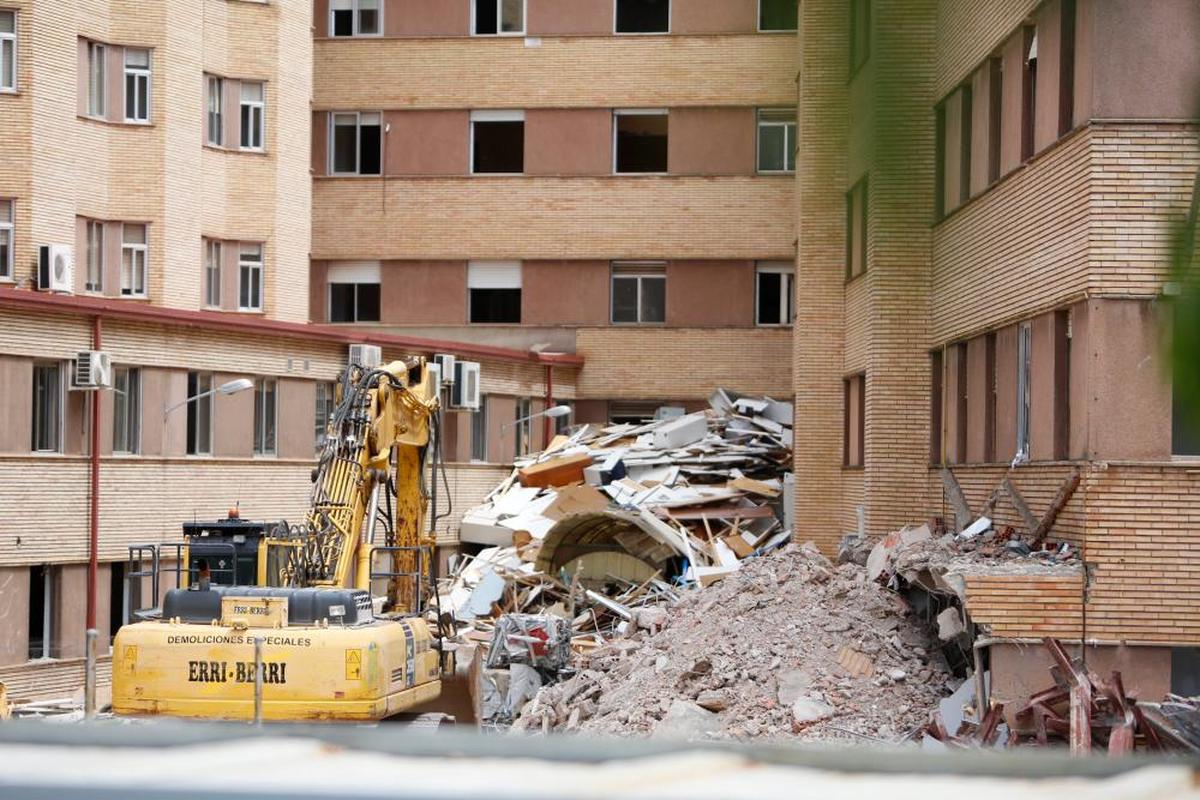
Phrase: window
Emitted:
{"points": [[253, 120], [774, 295], [497, 142], [494, 291], [127, 410], [860, 34], [995, 109], [41, 611], [357, 143], [199, 413], [640, 141], [639, 293], [215, 128], [1024, 351], [97, 80], [953, 167], [137, 84], [1028, 91], [264, 416], [250, 277], [498, 17], [1066, 66], [212, 273], [856, 229], [563, 424], [6, 238], [961, 401], [118, 599], [479, 431], [776, 140], [133, 260], [94, 281], [355, 18], [778, 15], [523, 433], [8, 51], [643, 16], [354, 292], [936, 387], [47, 407], [854, 389], [326, 404]]}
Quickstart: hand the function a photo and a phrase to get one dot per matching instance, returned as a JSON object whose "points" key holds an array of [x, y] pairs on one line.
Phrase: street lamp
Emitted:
{"points": [[553, 413], [232, 387]]}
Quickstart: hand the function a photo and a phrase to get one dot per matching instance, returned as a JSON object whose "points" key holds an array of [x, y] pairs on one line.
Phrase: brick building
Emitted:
{"points": [[609, 179], [986, 193]]}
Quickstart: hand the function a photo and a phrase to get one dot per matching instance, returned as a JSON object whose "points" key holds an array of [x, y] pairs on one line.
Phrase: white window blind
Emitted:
{"points": [[353, 272], [494, 275]]}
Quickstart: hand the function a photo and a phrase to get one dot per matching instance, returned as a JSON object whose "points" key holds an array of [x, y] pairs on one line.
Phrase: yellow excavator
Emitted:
{"points": [[336, 637]]}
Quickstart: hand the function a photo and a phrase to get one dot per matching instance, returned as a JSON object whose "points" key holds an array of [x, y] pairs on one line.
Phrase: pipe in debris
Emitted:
{"points": [[89, 674], [258, 680], [94, 521], [546, 421]]}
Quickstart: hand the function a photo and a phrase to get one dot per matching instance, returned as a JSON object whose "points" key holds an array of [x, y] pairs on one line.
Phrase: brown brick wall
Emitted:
{"points": [[609, 71]]}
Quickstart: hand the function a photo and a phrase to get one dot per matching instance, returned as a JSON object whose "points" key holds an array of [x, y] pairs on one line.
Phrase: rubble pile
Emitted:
{"points": [[789, 646], [607, 525]]}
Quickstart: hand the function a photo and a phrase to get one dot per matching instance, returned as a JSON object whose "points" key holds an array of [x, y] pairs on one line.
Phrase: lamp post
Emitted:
{"points": [[231, 387], [553, 412]]}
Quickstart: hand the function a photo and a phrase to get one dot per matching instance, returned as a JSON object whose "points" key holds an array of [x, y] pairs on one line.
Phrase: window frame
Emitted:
{"points": [[640, 112], [355, 316], [257, 112], [331, 146], [500, 20], [479, 425], [59, 411], [138, 74], [94, 256], [213, 261], [133, 410], [9, 226], [494, 115], [761, 29], [787, 292], [250, 267], [135, 253], [192, 444], [261, 408], [356, 33], [1024, 388], [789, 140], [471, 289], [97, 58], [849, 382], [214, 88], [670, 22], [14, 61], [640, 277], [862, 219]]}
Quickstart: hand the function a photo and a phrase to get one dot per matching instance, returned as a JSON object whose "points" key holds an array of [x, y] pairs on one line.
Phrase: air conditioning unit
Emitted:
{"points": [[56, 268], [366, 355], [447, 362], [93, 370], [435, 376], [465, 391]]}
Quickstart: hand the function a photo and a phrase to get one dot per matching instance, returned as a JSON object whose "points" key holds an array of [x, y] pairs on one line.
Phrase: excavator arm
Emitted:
{"points": [[375, 451]]}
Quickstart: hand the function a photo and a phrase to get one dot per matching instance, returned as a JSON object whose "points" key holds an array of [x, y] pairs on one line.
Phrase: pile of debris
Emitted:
{"points": [[607, 525], [790, 646]]}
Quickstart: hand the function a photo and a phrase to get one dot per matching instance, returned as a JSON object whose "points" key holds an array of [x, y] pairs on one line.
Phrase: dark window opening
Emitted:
{"points": [[1185, 671], [1185, 410], [641, 142], [1028, 93], [854, 420], [1066, 69], [996, 104], [1062, 384], [964, 170], [989, 422], [354, 302], [774, 304], [369, 141], [860, 34], [939, 165], [116, 599], [935, 407], [486, 20], [960, 404], [778, 15], [643, 16], [479, 431], [39, 612], [356, 144], [495, 305], [343, 22], [499, 147], [199, 414]]}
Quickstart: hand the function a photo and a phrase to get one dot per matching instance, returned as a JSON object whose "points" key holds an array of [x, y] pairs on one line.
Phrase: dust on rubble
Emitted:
{"points": [[788, 647]]}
